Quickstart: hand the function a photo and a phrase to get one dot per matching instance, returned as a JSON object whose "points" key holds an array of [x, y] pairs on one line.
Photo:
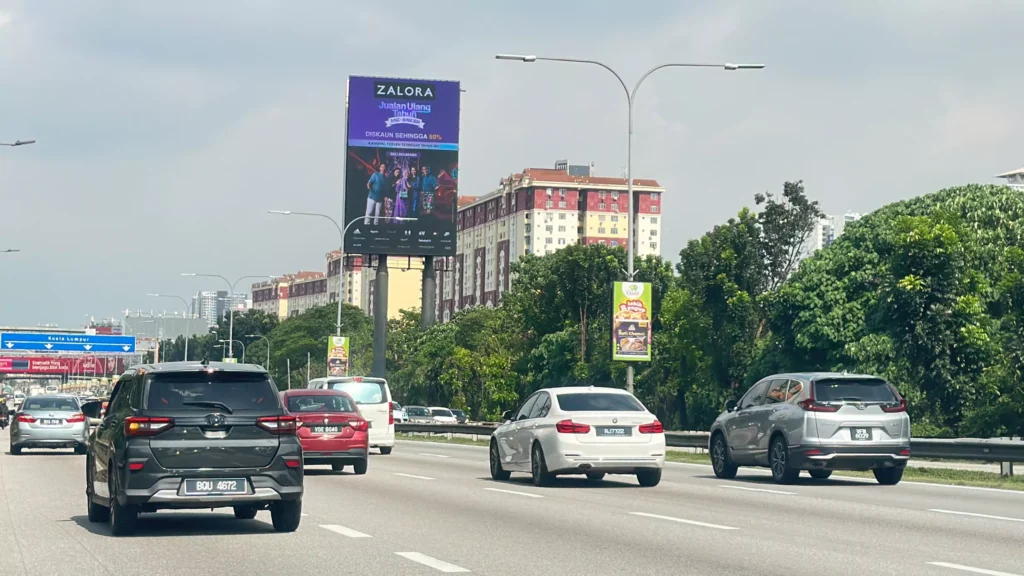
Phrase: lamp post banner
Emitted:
{"points": [[337, 356], [631, 322], [402, 161]]}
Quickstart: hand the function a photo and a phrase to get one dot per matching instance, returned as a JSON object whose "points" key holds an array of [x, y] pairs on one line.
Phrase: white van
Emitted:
{"points": [[373, 397]]}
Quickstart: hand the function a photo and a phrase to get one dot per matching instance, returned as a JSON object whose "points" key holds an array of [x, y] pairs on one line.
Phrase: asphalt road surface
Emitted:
{"points": [[431, 508]]}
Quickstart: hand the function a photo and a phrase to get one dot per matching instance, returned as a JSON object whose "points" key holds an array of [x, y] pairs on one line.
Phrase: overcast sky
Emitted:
{"points": [[167, 129]]}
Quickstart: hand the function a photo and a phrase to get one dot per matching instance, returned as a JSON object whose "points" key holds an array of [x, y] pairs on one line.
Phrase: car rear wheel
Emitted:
{"points": [[360, 467], [649, 477], [245, 512], [778, 460], [286, 514], [97, 513], [539, 468], [497, 472], [123, 517], [595, 476], [820, 474], [888, 476], [338, 467], [721, 462]]}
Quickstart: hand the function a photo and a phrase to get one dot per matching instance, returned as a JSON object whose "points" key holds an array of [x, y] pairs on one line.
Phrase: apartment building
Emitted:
{"points": [[349, 284], [825, 232], [211, 305], [1014, 179], [537, 212]]}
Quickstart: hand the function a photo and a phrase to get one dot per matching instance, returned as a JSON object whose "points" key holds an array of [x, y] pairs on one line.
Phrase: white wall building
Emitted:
{"points": [[1014, 179], [825, 232]]}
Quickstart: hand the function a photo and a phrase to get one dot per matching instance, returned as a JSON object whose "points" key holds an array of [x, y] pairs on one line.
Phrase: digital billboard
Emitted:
{"points": [[402, 162], [631, 322], [337, 356]]}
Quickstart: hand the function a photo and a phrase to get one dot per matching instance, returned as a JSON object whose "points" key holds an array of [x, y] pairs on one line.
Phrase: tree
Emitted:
{"points": [[785, 226]]}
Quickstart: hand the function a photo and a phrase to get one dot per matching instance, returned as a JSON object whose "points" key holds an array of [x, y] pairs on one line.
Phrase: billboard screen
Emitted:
{"points": [[631, 322], [337, 356], [402, 161], [84, 365]]}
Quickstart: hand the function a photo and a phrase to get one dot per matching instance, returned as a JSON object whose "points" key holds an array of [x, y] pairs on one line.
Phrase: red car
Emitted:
{"points": [[331, 429]]}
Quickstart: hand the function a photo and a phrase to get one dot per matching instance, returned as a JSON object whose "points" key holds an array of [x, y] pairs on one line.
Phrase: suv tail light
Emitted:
{"points": [[141, 426], [26, 418], [652, 428], [900, 406], [279, 425], [570, 427], [391, 413], [359, 425], [76, 418]]}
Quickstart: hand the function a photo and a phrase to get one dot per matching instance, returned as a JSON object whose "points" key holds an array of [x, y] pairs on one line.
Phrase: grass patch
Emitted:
{"points": [[912, 473]]}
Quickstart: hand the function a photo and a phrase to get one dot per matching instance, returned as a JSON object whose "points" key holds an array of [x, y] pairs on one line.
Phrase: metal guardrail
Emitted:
{"points": [[980, 449]]}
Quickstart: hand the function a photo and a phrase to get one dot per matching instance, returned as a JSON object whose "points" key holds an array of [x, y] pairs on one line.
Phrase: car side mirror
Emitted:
{"points": [[92, 409], [507, 415], [730, 405]]}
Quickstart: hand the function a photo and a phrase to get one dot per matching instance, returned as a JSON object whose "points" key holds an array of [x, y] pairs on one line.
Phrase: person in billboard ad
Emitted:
{"points": [[401, 166]]}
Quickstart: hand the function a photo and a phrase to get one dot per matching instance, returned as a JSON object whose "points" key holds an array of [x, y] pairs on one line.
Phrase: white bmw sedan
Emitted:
{"points": [[579, 430]]}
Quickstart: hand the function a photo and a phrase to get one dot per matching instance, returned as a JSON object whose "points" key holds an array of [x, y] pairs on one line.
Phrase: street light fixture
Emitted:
{"points": [[240, 343], [188, 317], [231, 293], [630, 100], [341, 245], [267, 366], [18, 143]]}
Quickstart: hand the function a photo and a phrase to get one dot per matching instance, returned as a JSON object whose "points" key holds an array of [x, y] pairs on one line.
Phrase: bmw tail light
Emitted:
{"points": [[570, 427], [278, 425], [140, 426], [652, 428]]}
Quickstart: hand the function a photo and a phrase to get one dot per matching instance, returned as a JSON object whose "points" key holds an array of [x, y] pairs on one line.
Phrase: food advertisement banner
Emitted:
{"points": [[337, 356], [631, 322]]}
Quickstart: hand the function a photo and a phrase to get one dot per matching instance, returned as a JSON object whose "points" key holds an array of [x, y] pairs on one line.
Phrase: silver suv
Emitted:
{"points": [[817, 422]]}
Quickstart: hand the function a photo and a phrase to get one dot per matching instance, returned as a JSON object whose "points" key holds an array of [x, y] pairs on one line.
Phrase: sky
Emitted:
{"points": [[166, 130]]}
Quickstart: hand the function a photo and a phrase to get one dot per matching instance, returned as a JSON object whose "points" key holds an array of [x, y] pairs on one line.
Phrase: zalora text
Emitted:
{"points": [[406, 90]]}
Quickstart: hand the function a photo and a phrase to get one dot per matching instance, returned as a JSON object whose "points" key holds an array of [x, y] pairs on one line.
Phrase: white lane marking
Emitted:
{"points": [[412, 476], [981, 488], [344, 531], [756, 489], [514, 492], [963, 568], [434, 455], [989, 516], [684, 521], [439, 565]]}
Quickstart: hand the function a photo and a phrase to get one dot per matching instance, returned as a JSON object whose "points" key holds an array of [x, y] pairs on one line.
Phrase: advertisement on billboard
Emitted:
{"points": [[631, 321], [402, 162], [337, 356], [80, 365]]}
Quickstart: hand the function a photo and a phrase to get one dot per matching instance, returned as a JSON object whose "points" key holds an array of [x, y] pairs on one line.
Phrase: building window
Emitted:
{"points": [[601, 218], [654, 195], [615, 243], [600, 230], [562, 204], [601, 194], [561, 192], [561, 241], [615, 195], [615, 230], [549, 191], [654, 209], [654, 232], [548, 228], [654, 245], [549, 204], [561, 216], [654, 219], [549, 240], [615, 218], [602, 206], [615, 207]]}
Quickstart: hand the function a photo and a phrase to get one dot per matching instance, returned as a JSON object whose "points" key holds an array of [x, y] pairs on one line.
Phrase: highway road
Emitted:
{"points": [[431, 508]]}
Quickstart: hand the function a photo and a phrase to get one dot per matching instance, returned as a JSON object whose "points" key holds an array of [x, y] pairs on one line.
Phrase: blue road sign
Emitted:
{"points": [[56, 342]]}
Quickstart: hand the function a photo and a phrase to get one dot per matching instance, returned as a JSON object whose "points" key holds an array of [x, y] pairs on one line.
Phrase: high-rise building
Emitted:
{"points": [[212, 305], [825, 232], [1014, 179], [351, 281], [537, 212]]}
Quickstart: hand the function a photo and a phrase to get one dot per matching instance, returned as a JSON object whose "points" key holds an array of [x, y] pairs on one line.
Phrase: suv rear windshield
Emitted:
{"points": [[55, 404], [363, 392], [203, 391], [851, 390], [598, 402], [440, 412], [319, 403]]}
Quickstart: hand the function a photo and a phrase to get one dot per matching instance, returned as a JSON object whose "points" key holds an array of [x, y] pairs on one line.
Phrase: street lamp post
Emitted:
{"points": [[240, 343], [188, 317], [630, 100], [341, 244], [267, 366], [231, 293]]}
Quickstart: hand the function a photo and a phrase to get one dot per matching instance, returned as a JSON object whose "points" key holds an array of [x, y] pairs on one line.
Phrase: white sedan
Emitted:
{"points": [[579, 430]]}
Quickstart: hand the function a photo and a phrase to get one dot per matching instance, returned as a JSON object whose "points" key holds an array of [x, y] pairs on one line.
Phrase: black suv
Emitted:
{"points": [[182, 435]]}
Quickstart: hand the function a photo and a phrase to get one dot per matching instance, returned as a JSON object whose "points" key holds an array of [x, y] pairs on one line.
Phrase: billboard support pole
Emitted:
{"points": [[380, 317], [428, 313]]}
